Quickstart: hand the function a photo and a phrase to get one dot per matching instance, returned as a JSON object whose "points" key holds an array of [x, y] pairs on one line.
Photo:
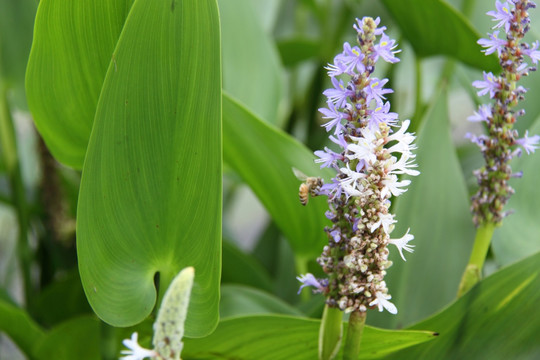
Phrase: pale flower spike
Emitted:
{"points": [[374, 149], [169, 324]]}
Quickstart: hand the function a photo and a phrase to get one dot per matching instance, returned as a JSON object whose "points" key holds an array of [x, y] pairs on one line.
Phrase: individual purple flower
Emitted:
{"points": [[376, 91], [492, 44], [334, 115], [327, 157], [339, 94], [529, 144], [532, 52], [340, 140], [385, 50], [310, 280], [490, 85], [483, 114], [382, 114], [503, 15], [352, 58]]}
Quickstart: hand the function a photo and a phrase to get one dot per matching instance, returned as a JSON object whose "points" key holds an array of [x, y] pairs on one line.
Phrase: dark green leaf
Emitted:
{"points": [[294, 51], [77, 338], [241, 300], [241, 268], [496, 319], [18, 325], [435, 28], [150, 195]]}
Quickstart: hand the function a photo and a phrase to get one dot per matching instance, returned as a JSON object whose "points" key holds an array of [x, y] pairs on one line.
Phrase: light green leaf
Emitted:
{"points": [[435, 28], [285, 338], [496, 319], [150, 195], [72, 48], [252, 71], [242, 300], [436, 210], [519, 235], [264, 157], [18, 325]]}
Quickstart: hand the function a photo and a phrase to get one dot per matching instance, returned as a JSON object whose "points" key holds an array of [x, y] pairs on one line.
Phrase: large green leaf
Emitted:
{"points": [[436, 210], [18, 325], [435, 28], [519, 235], [150, 196], [264, 156], [252, 72], [283, 337], [496, 319], [73, 43]]}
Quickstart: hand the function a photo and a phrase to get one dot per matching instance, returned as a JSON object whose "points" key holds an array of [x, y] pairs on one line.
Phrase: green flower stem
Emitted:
{"points": [[330, 333], [357, 320], [8, 144], [473, 272]]}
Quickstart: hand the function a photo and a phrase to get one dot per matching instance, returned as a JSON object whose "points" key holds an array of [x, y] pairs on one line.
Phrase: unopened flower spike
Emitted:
{"points": [[498, 146], [169, 324], [371, 152]]}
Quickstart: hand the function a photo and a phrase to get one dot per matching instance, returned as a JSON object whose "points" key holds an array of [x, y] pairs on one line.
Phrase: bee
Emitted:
{"points": [[310, 186]]}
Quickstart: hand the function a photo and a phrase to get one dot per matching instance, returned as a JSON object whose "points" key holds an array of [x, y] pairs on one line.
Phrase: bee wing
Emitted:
{"points": [[299, 175]]}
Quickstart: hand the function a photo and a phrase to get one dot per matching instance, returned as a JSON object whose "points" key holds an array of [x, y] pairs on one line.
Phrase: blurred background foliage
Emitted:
{"points": [[273, 58]]}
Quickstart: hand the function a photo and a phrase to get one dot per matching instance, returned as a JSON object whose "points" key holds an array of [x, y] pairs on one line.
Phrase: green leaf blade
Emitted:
{"points": [[72, 48], [285, 337], [151, 185], [478, 325], [264, 157]]}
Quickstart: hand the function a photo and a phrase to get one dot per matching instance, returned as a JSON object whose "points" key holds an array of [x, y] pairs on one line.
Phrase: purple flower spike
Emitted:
{"points": [[499, 147], [371, 157]]}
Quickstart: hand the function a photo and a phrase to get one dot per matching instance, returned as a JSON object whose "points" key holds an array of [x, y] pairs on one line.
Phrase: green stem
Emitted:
{"points": [[473, 272], [8, 143], [330, 333], [357, 320]]}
